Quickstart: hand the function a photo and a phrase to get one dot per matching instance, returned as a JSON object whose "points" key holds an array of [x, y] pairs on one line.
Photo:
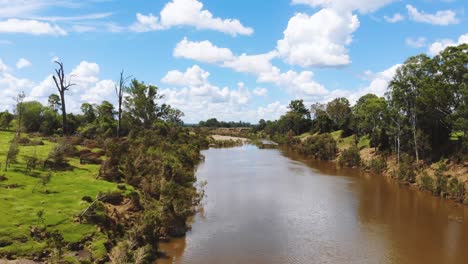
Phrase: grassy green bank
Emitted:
{"points": [[23, 197]]}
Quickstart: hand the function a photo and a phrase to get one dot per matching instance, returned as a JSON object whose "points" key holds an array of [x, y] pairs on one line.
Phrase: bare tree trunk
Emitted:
{"points": [[119, 90], [64, 114], [413, 124], [62, 86]]}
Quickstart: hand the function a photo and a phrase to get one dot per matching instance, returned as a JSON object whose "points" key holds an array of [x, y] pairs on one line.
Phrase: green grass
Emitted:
{"points": [[345, 143], [19, 206]]}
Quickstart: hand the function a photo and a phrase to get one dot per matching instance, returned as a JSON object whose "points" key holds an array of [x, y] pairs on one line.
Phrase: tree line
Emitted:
{"points": [[423, 114]]}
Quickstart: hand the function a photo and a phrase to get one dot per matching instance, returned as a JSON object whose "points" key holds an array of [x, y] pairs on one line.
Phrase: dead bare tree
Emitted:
{"points": [[62, 86], [119, 91], [19, 112]]}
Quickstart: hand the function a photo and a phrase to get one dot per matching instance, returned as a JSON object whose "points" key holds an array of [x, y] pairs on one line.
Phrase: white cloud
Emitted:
{"points": [[272, 111], [397, 17], [297, 83], [438, 46], [33, 27], [319, 39], [85, 73], [260, 91], [10, 87], [146, 23], [102, 90], [202, 51], [416, 42], [188, 13], [199, 99], [363, 6], [23, 63], [193, 76], [251, 63], [443, 18]]}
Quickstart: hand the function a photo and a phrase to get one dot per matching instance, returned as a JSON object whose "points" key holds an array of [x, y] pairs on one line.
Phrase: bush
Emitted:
{"points": [[321, 146], [350, 157], [378, 165], [427, 183], [441, 180], [456, 189], [406, 170]]}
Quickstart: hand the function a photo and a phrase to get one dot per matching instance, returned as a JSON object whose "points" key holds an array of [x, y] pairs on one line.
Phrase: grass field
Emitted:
{"points": [[60, 203]]}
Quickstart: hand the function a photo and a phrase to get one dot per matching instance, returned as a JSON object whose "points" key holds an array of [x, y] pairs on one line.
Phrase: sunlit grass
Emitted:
{"points": [[61, 204]]}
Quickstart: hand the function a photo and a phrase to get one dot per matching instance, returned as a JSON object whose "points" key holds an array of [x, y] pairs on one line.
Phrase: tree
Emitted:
{"points": [[105, 119], [54, 102], [370, 113], [89, 112], [171, 115], [62, 86], [298, 107], [5, 119], [405, 90], [141, 104], [119, 91], [339, 111], [12, 154], [32, 116]]}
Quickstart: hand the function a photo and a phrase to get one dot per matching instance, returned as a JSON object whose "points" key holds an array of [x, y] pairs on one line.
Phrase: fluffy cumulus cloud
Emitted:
{"points": [[188, 13], [296, 83], [23, 63], [397, 17], [199, 99], [32, 27], [363, 6], [442, 18], [318, 40], [203, 51], [416, 42], [438, 46]]}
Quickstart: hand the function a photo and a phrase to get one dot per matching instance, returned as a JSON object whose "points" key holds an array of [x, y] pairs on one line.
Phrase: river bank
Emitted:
{"points": [[445, 178]]}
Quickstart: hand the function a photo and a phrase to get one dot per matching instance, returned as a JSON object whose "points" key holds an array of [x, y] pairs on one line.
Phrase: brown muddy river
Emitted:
{"points": [[269, 206]]}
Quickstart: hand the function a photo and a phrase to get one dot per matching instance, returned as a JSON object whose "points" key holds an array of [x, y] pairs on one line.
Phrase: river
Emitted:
{"points": [[271, 206]]}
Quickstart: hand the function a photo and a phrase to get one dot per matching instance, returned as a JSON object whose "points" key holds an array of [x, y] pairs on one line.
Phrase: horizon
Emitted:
{"points": [[221, 59]]}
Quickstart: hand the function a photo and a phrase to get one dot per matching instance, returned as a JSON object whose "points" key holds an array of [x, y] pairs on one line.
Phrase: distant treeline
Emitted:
{"points": [[213, 122]]}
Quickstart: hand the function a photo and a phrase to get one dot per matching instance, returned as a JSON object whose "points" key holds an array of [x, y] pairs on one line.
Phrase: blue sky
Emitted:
{"points": [[234, 60]]}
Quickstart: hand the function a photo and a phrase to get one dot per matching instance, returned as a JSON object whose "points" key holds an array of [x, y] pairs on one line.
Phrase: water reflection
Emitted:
{"points": [[273, 206]]}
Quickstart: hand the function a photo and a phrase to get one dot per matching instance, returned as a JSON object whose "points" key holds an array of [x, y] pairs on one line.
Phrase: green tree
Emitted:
{"points": [[339, 111], [32, 116], [370, 116], [54, 102], [5, 119], [141, 104], [298, 107]]}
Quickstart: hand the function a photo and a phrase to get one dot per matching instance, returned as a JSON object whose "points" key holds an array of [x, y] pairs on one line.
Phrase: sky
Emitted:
{"points": [[233, 60]]}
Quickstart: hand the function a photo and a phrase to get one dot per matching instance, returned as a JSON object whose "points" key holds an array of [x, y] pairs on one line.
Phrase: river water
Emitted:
{"points": [[271, 206]]}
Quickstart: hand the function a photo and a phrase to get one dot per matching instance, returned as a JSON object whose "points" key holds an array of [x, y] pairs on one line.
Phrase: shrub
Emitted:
{"points": [[350, 157], [378, 165], [321, 146], [427, 183], [441, 181], [406, 170], [456, 189]]}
